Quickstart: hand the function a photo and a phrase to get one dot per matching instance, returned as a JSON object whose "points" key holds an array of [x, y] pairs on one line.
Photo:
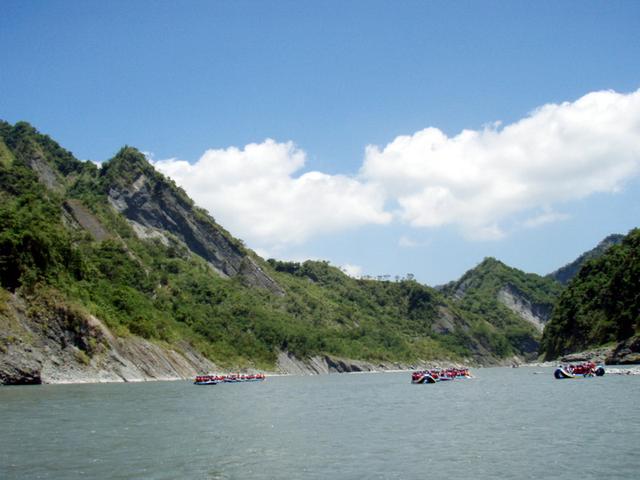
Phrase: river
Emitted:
{"points": [[505, 423]]}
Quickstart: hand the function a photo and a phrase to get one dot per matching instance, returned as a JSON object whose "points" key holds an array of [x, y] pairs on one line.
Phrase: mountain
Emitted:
{"points": [[112, 273], [566, 273], [516, 304], [601, 305]]}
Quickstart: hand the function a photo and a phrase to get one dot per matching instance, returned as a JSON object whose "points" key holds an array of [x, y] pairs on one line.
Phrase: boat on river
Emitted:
{"points": [[255, 377], [234, 378], [582, 370], [206, 380], [422, 377]]}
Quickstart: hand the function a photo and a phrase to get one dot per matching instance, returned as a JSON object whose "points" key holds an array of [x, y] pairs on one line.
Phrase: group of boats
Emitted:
{"points": [[439, 375], [234, 378], [582, 370], [420, 377]]}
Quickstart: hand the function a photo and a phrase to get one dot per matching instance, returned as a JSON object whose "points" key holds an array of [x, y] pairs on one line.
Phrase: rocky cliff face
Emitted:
{"points": [[528, 296], [537, 314], [626, 352], [45, 342], [156, 207], [324, 364]]}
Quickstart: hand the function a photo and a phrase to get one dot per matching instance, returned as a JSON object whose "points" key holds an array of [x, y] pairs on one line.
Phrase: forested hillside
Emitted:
{"points": [[123, 244], [566, 273], [601, 305], [514, 303], [101, 265]]}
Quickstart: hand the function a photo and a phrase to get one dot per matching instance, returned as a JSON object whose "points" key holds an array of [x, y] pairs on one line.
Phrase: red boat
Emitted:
{"points": [[439, 375], [582, 370]]}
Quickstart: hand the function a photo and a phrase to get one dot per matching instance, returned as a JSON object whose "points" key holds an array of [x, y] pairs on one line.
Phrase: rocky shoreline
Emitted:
{"points": [[622, 371], [50, 343], [66, 346], [624, 353]]}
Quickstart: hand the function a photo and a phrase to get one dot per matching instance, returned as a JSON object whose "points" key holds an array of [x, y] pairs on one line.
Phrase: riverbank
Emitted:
{"points": [[65, 347]]}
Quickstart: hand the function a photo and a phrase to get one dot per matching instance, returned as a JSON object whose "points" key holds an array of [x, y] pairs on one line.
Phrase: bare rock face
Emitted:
{"points": [[625, 353], [596, 355], [20, 367], [445, 322], [55, 344], [325, 364], [154, 204], [535, 313], [46, 174], [87, 220]]}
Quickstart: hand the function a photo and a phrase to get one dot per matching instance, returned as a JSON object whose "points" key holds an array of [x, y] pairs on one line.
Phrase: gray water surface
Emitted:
{"points": [[505, 423]]}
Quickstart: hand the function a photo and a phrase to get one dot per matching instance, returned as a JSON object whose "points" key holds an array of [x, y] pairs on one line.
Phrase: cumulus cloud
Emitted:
{"points": [[479, 179], [482, 181], [255, 193]]}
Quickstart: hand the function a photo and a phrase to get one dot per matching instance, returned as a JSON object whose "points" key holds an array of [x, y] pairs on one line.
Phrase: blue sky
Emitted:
{"points": [[334, 84]]}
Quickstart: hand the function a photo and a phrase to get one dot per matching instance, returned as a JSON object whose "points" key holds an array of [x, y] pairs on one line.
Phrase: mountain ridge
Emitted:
{"points": [[565, 273], [124, 248], [600, 305]]}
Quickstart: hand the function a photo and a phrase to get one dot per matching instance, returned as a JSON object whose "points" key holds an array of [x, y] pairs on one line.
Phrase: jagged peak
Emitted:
{"points": [[127, 165]]}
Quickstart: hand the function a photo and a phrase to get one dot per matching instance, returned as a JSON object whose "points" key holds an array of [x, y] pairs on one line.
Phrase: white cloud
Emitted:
{"points": [[253, 192], [354, 271], [544, 218], [478, 179]]}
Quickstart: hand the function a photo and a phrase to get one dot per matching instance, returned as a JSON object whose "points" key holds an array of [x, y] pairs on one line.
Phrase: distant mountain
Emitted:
{"points": [[566, 273], [112, 273], [517, 305], [601, 304]]}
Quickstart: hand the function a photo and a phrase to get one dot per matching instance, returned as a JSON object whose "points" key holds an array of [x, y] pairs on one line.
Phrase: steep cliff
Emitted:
{"points": [[153, 203], [44, 339]]}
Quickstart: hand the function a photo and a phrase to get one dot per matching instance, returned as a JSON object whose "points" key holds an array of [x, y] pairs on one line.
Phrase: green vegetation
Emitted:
{"points": [[161, 290], [566, 273], [499, 328], [601, 304], [6, 157]]}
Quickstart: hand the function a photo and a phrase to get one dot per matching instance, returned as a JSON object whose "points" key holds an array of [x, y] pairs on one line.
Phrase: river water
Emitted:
{"points": [[505, 423]]}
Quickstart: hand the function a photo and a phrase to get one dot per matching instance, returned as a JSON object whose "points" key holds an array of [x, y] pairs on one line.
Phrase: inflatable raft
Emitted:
{"points": [[216, 379], [432, 376], [206, 380], [584, 370]]}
